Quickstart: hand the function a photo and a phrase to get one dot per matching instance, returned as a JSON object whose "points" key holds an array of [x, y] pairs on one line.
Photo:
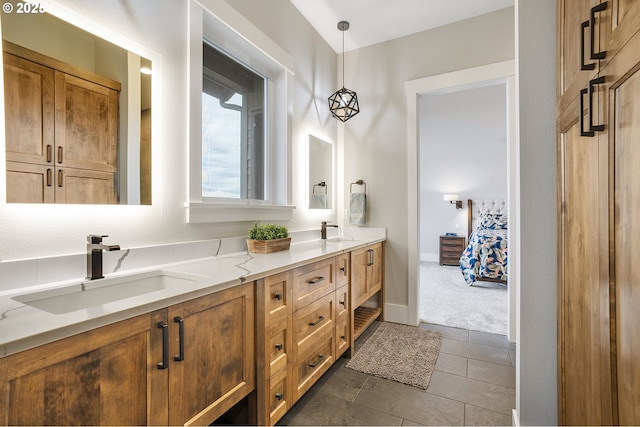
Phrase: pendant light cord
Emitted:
{"points": [[343, 58]]}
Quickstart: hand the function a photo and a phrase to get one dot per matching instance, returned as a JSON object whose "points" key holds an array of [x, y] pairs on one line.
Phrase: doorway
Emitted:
{"points": [[493, 74], [462, 134]]}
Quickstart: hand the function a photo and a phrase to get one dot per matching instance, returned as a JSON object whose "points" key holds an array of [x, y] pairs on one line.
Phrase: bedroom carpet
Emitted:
{"points": [[445, 299], [402, 353]]}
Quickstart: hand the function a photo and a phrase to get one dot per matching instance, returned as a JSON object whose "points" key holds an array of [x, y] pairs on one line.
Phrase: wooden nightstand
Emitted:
{"points": [[451, 247]]}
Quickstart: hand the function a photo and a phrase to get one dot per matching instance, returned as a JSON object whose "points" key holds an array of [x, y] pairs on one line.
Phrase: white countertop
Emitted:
{"points": [[24, 326]]}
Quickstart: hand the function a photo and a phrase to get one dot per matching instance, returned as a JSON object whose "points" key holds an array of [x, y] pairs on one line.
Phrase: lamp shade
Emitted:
{"points": [[343, 104], [450, 197]]}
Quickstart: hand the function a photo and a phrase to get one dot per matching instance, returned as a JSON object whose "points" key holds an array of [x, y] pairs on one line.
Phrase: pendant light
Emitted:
{"points": [[344, 103]]}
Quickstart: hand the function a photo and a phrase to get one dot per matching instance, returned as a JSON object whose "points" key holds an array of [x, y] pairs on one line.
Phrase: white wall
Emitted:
{"points": [[375, 139], [536, 368], [463, 150], [163, 29]]}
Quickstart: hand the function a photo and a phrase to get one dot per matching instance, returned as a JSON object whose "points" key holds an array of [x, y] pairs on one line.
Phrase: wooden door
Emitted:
{"points": [[82, 186], [29, 183], [622, 23], [359, 284], [623, 83], [29, 106], [216, 369], [101, 377], [571, 34], [374, 271], [86, 120]]}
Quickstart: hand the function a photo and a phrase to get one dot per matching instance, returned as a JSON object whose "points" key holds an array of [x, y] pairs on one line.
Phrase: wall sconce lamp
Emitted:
{"points": [[453, 198]]}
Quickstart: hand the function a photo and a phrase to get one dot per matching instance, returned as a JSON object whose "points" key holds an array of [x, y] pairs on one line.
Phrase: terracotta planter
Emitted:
{"points": [[268, 246]]}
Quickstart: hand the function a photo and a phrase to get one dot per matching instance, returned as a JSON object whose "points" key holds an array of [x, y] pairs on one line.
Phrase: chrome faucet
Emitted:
{"points": [[323, 229], [94, 255]]}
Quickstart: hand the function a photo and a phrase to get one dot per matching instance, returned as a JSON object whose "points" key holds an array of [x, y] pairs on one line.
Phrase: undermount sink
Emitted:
{"points": [[94, 293]]}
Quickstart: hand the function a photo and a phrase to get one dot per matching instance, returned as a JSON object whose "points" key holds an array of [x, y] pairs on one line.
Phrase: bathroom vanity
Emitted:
{"points": [[189, 352]]}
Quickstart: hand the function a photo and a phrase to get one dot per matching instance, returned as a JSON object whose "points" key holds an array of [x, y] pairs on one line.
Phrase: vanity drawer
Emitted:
{"points": [[312, 323], [312, 282], [309, 368], [342, 270], [279, 344], [280, 396], [279, 296], [342, 334]]}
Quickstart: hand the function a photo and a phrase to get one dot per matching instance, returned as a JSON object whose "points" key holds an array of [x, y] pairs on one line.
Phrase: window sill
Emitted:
{"points": [[199, 213]]}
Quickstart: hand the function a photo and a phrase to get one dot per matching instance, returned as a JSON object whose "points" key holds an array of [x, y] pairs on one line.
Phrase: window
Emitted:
{"points": [[233, 134], [240, 97]]}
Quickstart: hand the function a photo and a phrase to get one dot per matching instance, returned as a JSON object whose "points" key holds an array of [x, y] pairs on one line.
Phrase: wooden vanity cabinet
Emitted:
{"points": [[106, 376], [120, 374], [366, 281]]}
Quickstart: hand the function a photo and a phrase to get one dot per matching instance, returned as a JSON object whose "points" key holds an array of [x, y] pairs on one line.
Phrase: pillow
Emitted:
{"points": [[491, 221]]}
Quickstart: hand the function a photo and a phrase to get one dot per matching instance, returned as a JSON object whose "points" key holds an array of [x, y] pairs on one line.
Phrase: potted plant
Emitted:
{"points": [[268, 238]]}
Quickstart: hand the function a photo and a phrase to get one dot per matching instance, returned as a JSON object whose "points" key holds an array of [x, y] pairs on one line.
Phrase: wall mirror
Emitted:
{"points": [[77, 115], [321, 174]]}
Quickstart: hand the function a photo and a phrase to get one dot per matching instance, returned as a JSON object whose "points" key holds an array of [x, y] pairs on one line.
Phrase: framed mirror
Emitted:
{"points": [[78, 126], [321, 185]]}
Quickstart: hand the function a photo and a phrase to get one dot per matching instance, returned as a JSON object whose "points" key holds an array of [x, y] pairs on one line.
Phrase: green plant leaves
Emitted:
{"points": [[268, 232]]}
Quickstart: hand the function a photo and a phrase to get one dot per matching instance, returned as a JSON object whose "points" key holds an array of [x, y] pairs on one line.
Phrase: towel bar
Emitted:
{"points": [[358, 182]]}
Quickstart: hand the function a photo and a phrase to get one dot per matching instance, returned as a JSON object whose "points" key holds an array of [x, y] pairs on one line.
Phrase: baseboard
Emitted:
{"points": [[514, 418], [396, 313], [429, 258]]}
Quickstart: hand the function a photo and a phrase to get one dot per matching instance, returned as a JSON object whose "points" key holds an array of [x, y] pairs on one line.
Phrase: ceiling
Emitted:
{"points": [[375, 21]]}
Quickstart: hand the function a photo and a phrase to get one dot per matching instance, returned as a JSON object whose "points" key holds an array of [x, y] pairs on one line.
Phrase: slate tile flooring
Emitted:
{"points": [[473, 384]]}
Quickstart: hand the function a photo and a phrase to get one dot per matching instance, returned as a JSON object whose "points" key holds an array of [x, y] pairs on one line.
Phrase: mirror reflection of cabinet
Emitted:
{"points": [[320, 179], [76, 121], [61, 131]]}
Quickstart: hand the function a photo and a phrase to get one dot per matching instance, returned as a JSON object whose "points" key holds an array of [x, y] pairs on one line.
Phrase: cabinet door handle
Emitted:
{"points": [[165, 345], [343, 337], [49, 153], [279, 347], [343, 303], [317, 362], [370, 263], [180, 321], [60, 183], [59, 154], [49, 177], [596, 9], [589, 91], [584, 66], [320, 319], [277, 296], [279, 396], [315, 280], [343, 269]]}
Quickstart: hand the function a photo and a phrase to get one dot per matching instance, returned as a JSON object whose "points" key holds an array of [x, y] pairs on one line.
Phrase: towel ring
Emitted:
{"points": [[321, 184], [358, 182]]}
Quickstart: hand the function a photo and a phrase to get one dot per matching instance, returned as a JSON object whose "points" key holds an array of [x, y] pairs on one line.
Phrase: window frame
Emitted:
{"points": [[226, 29]]}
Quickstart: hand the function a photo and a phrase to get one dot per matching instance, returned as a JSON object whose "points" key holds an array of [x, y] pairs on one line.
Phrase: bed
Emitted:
{"points": [[486, 256]]}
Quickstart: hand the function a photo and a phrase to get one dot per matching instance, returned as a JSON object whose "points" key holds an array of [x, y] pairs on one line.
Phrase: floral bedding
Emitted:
{"points": [[486, 256]]}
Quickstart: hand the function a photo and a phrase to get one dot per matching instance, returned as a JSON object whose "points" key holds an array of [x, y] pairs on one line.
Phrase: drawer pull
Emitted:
{"points": [[315, 280], [343, 269], [180, 321], [279, 347], [277, 296], [165, 345], [317, 362], [279, 396], [344, 304], [320, 319], [344, 338]]}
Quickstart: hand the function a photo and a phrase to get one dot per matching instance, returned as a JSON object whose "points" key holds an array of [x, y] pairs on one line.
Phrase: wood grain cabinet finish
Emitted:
{"points": [[112, 376], [64, 121], [102, 377], [598, 280], [451, 247]]}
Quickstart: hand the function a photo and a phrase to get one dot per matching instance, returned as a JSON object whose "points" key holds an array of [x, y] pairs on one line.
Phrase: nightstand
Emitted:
{"points": [[451, 247]]}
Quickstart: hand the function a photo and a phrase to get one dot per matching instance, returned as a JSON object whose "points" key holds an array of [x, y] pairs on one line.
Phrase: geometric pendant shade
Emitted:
{"points": [[344, 104]]}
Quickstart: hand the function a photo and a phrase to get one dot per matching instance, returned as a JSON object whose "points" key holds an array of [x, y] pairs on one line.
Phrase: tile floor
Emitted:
{"points": [[473, 384]]}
